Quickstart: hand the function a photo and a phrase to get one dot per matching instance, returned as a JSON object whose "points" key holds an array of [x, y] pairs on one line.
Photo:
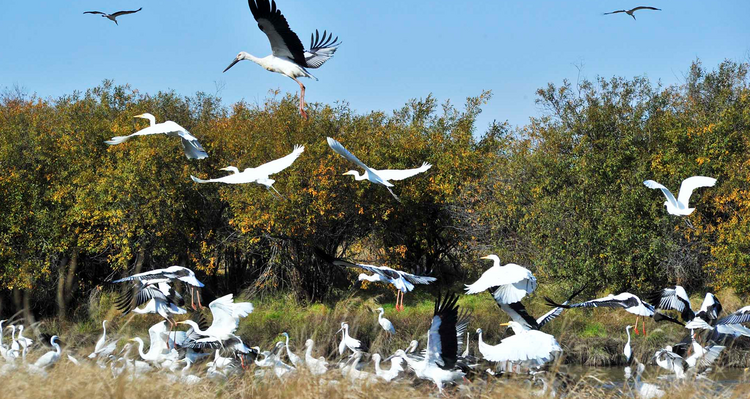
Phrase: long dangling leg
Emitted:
{"points": [[301, 99], [636, 325], [198, 294], [192, 296]]}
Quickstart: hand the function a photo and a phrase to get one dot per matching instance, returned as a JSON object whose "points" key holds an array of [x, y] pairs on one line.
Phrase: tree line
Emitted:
{"points": [[562, 194]]}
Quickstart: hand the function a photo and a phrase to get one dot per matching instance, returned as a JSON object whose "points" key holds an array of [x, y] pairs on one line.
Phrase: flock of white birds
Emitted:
{"points": [[446, 358]]}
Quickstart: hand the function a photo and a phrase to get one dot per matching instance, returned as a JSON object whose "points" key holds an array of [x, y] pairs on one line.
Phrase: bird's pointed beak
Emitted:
{"points": [[340, 329], [504, 324], [485, 257], [236, 60], [388, 358]]}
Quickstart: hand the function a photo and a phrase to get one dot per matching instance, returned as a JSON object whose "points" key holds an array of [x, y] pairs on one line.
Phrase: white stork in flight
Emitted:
{"points": [[288, 57], [633, 10]]}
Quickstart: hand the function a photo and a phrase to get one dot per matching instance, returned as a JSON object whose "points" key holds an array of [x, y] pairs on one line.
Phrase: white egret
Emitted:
{"points": [[381, 177], [385, 323], [260, 174], [51, 357], [316, 366], [440, 358], [679, 206], [170, 274], [289, 57], [671, 361], [23, 341], [508, 284], [102, 348], [293, 358], [392, 372], [193, 149], [627, 351], [112, 17], [632, 11], [403, 282], [226, 318], [347, 341]]}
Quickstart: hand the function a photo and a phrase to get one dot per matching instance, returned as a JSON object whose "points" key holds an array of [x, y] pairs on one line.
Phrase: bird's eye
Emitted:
{"points": [[260, 26]]}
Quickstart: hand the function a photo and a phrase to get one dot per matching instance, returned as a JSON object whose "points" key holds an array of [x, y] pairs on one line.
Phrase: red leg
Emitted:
{"points": [[198, 294], [636, 325], [192, 297], [301, 99]]}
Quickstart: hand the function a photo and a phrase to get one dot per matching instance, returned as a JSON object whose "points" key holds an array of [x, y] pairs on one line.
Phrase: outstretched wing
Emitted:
{"points": [[690, 184], [645, 8], [284, 42], [117, 14], [280, 164], [674, 299], [614, 12], [95, 12], [401, 174], [321, 49], [339, 149], [442, 343], [654, 185], [552, 314], [381, 270]]}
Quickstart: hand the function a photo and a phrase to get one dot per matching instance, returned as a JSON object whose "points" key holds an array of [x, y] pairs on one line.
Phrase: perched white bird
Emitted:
{"points": [[168, 275], [679, 206], [381, 177], [391, 373], [293, 358], [260, 174], [508, 284], [403, 282], [348, 341], [316, 366], [23, 341], [102, 348], [51, 357], [632, 11], [526, 345], [627, 351], [226, 318], [112, 17], [438, 364], [385, 323], [193, 149], [289, 57]]}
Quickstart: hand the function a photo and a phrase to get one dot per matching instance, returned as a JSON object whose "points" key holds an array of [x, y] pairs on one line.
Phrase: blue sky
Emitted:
{"points": [[392, 50]]}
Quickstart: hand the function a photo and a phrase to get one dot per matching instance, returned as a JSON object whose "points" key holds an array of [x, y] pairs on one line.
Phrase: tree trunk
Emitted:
{"points": [[61, 287], [139, 261], [71, 277], [27, 314]]}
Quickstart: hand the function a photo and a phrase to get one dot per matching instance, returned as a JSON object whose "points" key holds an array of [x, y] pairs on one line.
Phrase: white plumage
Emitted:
{"points": [[525, 345], [226, 318], [193, 149], [509, 283], [679, 206], [385, 323]]}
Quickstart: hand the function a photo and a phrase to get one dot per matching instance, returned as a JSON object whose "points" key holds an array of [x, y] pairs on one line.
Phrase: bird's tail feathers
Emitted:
{"points": [[197, 180], [117, 140]]}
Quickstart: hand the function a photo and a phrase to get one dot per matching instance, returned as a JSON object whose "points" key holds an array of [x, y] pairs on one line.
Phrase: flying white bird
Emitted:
{"points": [[679, 206], [385, 323], [226, 318], [170, 274], [159, 298], [524, 346], [112, 17], [508, 284], [193, 149], [403, 282], [258, 174], [633, 10], [381, 177], [438, 364], [289, 57], [624, 300]]}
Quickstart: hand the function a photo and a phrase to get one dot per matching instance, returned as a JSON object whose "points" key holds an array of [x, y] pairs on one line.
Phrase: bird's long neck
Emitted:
{"points": [[378, 370], [308, 352], [196, 328], [260, 61], [57, 348], [628, 332], [140, 348]]}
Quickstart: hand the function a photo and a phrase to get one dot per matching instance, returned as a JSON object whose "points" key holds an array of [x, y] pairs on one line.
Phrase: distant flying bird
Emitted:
{"points": [[258, 174], [193, 149], [373, 175], [680, 206], [289, 57], [404, 282], [633, 10], [114, 15]]}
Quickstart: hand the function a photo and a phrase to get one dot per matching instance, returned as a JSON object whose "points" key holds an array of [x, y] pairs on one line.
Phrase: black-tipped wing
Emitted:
{"points": [[645, 8], [156, 275], [658, 317], [740, 316], [95, 12], [284, 42], [552, 314], [615, 12], [442, 343], [321, 49], [673, 298], [381, 270], [117, 14], [518, 313]]}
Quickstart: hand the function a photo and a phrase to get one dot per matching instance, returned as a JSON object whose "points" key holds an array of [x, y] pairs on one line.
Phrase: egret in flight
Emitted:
{"points": [[508, 283], [112, 17], [375, 176], [679, 206], [226, 318], [258, 174], [633, 10], [193, 149], [289, 57]]}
